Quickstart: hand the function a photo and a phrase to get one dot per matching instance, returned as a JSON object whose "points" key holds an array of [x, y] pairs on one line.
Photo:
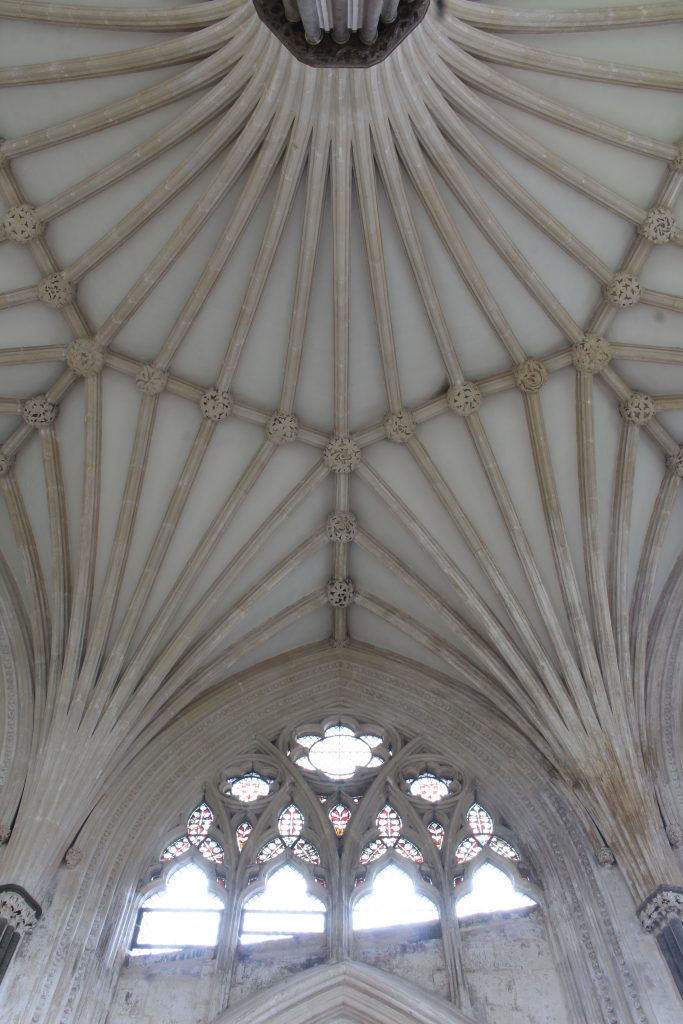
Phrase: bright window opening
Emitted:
{"points": [[491, 890], [185, 913], [284, 909], [393, 901]]}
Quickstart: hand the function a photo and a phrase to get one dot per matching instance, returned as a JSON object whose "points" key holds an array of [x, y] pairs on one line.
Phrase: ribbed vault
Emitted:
{"points": [[388, 355]]}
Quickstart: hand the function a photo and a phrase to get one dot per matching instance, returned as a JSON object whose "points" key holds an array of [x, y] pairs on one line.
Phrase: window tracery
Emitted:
{"points": [[333, 806]]}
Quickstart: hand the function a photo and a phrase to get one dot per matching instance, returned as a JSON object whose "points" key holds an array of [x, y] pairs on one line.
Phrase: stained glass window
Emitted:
{"points": [[436, 831], [340, 816], [409, 850], [199, 823], [249, 787], [339, 753], [502, 847], [389, 823], [283, 910], [185, 913], [373, 851], [212, 850], [306, 851], [290, 823], [242, 833], [467, 850], [269, 850], [480, 821], [176, 849], [392, 901], [428, 787]]}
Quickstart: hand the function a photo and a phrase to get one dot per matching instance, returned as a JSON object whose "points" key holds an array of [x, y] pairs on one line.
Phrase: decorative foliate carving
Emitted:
{"points": [[604, 856], [530, 375], [21, 224], [151, 379], [39, 411], [674, 463], [623, 290], [638, 408], [591, 354], [342, 455], [665, 904], [399, 427], [674, 833], [17, 911], [54, 290], [216, 405], [465, 398], [6, 463], [677, 162], [73, 857], [659, 225], [340, 592], [341, 527], [282, 428], [85, 356]]}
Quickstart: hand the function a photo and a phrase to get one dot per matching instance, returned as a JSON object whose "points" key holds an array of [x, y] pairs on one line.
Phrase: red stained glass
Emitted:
{"points": [[290, 823], [212, 850], [409, 850], [220, 881], [340, 816], [373, 851], [480, 821], [428, 787], [176, 849], [249, 787], [270, 850], [467, 850], [242, 833], [306, 851], [199, 823], [503, 848], [436, 831], [389, 823]]}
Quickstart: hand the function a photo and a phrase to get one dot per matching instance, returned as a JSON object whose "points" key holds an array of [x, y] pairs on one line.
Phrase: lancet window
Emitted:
{"points": [[353, 816]]}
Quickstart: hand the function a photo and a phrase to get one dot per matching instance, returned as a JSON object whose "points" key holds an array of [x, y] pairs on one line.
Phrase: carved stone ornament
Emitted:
{"points": [[659, 225], [17, 911], [399, 427], [340, 592], [674, 833], [464, 399], [663, 905], [677, 162], [341, 527], [591, 354], [604, 856], [638, 408], [54, 290], [6, 463], [151, 379], [5, 834], [215, 405], [85, 356], [337, 643], [623, 290], [530, 375], [20, 224], [342, 455], [282, 428], [73, 857], [39, 411], [674, 463]]}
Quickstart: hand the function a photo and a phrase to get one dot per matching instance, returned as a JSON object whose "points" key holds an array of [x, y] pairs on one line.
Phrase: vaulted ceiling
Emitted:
{"points": [[442, 294]]}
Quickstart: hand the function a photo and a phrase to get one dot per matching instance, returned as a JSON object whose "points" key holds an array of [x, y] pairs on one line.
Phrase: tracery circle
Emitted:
{"points": [[340, 754]]}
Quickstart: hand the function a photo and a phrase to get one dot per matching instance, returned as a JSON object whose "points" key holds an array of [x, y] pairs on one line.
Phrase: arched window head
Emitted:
{"points": [[183, 913], [198, 825], [491, 891], [393, 901], [284, 909]]}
